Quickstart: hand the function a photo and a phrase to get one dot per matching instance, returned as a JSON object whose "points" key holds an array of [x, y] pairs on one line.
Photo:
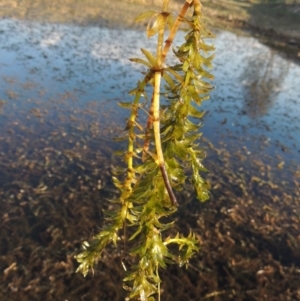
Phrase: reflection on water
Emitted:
{"points": [[253, 81], [59, 85], [263, 79]]}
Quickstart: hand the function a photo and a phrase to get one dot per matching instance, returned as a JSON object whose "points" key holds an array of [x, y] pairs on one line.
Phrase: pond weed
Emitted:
{"points": [[161, 156]]}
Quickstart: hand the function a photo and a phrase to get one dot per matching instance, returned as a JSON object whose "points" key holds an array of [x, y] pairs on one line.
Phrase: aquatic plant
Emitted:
{"points": [[161, 156]]}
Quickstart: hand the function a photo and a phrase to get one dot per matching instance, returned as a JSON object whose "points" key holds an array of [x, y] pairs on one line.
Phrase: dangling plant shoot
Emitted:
{"points": [[162, 155]]}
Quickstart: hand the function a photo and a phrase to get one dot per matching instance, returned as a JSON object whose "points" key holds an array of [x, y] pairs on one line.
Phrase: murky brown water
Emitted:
{"points": [[59, 85]]}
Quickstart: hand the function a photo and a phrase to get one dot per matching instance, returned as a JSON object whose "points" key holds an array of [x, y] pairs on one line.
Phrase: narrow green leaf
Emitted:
{"points": [[125, 105], [120, 152], [140, 61], [144, 15], [121, 138], [169, 80], [170, 21], [150, 57], [195, 113], [186, 66], [156, 23], [176, 74], [134, 91]]}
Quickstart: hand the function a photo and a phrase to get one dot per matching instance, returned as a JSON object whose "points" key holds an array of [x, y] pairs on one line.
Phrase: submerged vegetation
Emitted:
{"points": [[161, 155]]}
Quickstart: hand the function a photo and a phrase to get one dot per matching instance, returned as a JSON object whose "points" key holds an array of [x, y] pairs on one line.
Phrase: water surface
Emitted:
{"points": [[255, 104]]}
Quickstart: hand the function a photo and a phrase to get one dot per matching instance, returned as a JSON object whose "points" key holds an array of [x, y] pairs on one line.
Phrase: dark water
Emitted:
{"points": [[59, 88]]}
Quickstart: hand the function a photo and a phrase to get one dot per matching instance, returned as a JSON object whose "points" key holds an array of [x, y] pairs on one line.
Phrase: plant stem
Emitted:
{"points": [[130, 171], [148, 130], [156, 111], [156, 129], [174, 29], [158, 285], [161, 55]]}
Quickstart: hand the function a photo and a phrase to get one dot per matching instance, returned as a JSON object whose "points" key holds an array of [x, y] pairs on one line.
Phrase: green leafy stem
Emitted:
{"points": [[161, 156]]}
